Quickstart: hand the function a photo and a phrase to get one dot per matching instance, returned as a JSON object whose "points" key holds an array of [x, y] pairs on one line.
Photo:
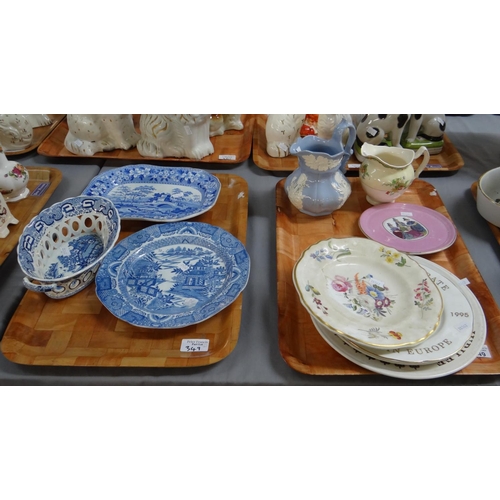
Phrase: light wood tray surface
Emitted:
{"points": [[80, 331], [494, 229], [39, 134], [300, 344], [448, 160], [25, 210], [237, 143]]}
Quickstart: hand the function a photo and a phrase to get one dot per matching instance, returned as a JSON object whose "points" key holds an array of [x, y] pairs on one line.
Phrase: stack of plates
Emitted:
{"points": [[388, 312]]}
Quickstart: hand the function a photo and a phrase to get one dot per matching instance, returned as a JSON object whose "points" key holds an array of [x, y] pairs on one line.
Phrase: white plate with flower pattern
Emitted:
{"points": [[453, 331], [373, 295], [458, 361], [159, 194]]}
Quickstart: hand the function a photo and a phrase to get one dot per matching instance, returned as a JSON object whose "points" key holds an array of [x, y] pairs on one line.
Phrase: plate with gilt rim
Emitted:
{"points": [[372, 294], [453, 331], [158, 194], [173, 275], [458, 361], [407, 227]]}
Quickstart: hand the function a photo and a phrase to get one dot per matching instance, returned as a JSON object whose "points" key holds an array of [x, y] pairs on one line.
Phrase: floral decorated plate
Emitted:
{"points": [[173, 275], [459, 360], [453, 331], [161, 194], [408, 228], [372, 294]]}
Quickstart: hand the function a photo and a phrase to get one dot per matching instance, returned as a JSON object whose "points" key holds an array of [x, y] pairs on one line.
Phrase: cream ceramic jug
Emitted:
{"points": [[387, 172], [6, 217], [13, 179]]}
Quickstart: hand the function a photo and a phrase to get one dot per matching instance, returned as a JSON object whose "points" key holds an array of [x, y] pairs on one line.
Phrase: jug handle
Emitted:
{"points": [[425, 160], [338, 132]]}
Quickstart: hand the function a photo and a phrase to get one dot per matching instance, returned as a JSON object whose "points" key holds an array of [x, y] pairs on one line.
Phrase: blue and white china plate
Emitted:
{"points": [[159, 194], [173, 275]]}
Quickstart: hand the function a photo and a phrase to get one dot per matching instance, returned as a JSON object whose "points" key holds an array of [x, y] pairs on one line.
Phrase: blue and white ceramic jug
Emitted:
{"points": [[318, 186]]}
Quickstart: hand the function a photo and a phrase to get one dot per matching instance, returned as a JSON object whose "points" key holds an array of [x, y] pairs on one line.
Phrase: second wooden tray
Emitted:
{"points": [[234, 146], [448, 160], [42, 183], [300, 344], [80, 331], [39, 134]]}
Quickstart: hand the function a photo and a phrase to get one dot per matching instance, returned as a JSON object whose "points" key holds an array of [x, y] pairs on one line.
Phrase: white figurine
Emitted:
{"points": [[39, 120], [90, 134], [220, 123], [429, 127], [16, 132], [281, 133], [233, 122], [217, 125], [375, 129], [178, 136]]}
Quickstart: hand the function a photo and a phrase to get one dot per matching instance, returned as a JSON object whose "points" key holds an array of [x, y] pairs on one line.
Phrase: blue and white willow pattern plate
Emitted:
{"points": [[159, 194], [173, 275]]}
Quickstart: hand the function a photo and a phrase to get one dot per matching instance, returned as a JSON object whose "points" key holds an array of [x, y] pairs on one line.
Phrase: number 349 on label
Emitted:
{"points": [[194, 345]]}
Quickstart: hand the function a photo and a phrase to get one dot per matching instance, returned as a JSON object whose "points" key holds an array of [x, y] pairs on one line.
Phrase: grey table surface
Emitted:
{"points": [[256, 359]]}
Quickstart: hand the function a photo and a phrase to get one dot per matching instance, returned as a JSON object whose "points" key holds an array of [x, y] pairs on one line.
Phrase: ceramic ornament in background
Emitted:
{"points": [[380, 130], [13, 179], [90, 134], [39, 120], [322, 125], [281, 132], [178, 136], [6, 217], [16, 132], [328, 123], [220, 123], [407, 131], [425, 130], [318, 186]]}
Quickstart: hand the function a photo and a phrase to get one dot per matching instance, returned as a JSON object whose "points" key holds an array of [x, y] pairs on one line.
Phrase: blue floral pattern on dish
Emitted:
{"points": [[80, 252], [173, 275], [160, 194]]}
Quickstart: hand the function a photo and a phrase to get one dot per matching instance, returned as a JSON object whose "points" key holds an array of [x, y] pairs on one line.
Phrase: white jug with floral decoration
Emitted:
{"points": [[13, 179]]}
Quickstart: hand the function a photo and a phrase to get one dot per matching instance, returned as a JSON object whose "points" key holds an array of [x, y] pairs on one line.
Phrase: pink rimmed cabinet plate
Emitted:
{"points": [[409, 228]]}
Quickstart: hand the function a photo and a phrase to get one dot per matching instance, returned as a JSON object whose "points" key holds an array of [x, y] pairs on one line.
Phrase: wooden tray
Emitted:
{"points": [[39, 134], [300, 344], [80, 331], [495, 229], [42, 183], [448, 160], [234, 146]]}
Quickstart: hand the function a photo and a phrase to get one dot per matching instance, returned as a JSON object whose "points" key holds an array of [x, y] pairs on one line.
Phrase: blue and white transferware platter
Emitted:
{"points": [[173, 275], [159, 194]]}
